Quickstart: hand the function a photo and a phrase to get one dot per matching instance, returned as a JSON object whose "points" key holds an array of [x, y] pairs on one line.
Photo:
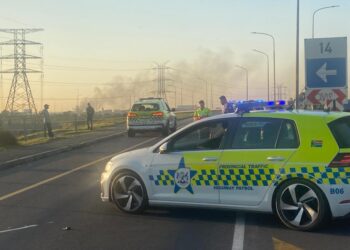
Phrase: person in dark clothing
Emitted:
{"points": [[89, 116], [227, 107], [47, 121]]}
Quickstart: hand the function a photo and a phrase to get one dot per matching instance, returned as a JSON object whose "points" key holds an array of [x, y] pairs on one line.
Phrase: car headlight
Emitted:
{"points": [[108, 166]]}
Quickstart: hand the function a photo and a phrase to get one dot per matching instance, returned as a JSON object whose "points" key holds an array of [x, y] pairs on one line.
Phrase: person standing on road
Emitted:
{"points": [[89, 116], [227, 107], [47, 121], [201, 112]]}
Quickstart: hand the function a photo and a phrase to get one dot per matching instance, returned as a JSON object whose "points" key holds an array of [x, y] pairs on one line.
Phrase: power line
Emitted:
{"points": [[90, 98], [97, 59], [80, 68], [88, 83], [13, 20]]}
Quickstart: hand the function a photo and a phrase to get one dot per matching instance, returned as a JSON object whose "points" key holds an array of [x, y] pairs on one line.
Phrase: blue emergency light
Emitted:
{"points": [[277, 103]]}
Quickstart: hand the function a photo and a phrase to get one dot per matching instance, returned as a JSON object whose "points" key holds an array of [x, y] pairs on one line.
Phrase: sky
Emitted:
{"points": [[105, 51]]}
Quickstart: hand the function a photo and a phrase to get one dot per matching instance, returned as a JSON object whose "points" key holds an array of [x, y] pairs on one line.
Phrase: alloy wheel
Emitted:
{"points": [[128, 193], [299, 205]]}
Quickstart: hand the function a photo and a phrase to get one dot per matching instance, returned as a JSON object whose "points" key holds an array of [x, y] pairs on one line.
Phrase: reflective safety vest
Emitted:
{"points": [[201, 113]]}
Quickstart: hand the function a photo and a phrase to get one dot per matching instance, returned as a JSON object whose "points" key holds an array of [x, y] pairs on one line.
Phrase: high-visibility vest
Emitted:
{"points": [[201, 113]]}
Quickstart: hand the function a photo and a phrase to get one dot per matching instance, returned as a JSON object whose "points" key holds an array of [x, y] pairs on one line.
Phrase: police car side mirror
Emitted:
{"points": [[173, 110], [163, 148]]}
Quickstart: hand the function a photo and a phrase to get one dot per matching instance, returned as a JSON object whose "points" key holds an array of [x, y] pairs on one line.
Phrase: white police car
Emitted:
{"points": [[295, 164]]}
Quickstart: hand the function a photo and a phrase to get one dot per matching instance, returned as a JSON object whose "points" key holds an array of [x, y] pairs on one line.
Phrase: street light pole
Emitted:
{"points": [[313, 17], [246, 72], [268, 72], [274, 60], [297, 62]]}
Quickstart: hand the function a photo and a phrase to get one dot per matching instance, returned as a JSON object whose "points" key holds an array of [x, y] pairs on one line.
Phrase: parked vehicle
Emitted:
{"points": [[151, 114], [295, 164]]}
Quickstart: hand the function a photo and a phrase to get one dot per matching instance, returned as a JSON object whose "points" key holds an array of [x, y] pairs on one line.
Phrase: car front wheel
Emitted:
{"points": [[129, 193], [301, 205]]}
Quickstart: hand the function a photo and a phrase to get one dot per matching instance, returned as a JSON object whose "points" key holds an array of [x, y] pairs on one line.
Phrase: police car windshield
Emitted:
{"points": [[145, 107]]}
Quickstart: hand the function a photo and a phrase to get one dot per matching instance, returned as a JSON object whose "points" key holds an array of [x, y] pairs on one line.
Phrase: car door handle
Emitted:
{"points": [[210, 159], [277, 158]]}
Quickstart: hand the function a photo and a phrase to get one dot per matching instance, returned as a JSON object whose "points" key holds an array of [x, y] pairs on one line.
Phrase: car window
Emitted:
{"points": [[341, 131], [145, 107], [205, 136], [256, 133], [288, 137]]}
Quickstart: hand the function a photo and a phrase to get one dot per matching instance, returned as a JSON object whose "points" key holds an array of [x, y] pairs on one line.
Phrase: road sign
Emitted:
{"points": [[326, 62], [326, 71], [327, 97]]}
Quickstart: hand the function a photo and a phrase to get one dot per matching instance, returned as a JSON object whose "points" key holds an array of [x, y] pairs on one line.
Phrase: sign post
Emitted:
{"points": [[326, 72]]}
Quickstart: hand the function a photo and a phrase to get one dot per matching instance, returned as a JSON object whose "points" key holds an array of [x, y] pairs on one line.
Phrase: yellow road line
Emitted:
{"points": [[70, 171], [283, 245]]}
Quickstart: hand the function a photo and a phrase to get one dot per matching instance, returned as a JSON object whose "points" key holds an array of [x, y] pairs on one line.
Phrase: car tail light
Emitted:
{"points": [[341, 160], [131, 115], [158, 114]]}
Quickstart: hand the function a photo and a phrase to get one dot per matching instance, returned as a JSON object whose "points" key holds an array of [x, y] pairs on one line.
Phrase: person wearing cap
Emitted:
{"points": [[47, 121], [227, 107], [201, 112]]}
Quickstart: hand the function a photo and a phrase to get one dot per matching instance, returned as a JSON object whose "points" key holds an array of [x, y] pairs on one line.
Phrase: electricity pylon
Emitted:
{"points": [[20, 98]]}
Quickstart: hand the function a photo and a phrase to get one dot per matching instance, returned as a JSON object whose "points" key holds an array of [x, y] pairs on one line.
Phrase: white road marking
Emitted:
{"points": [[35, 185], [16, 229], [238, 234], [40, 183]]}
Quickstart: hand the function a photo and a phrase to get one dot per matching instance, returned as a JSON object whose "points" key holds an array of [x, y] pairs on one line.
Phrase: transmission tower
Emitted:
{"points": [[20, 97], [281, 92], [161, 80]]}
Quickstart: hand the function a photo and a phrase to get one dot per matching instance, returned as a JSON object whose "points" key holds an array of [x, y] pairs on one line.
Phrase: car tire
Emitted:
{"points": [[300, 205], [166, 130], [131, 133], [173, 129], [128, 193]]}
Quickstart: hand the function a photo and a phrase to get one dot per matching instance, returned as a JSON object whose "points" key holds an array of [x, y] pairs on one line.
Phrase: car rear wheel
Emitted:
{"points": [[173, 129], [129, 193], [166, 130], [301, 205]]}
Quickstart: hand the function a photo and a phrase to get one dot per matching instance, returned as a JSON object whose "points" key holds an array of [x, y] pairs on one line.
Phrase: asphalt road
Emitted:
{"points": [[38, 200]]}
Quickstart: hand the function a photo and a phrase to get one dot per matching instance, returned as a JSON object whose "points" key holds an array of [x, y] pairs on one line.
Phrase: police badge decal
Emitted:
{"points": [[182, 177]]}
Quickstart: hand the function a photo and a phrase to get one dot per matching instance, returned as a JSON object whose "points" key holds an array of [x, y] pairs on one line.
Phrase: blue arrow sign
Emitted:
{"points": [[326, 73]]}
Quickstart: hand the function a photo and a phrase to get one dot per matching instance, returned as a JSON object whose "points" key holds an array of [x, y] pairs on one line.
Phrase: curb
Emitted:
{"points": [[29, 158], [38, 156]]}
